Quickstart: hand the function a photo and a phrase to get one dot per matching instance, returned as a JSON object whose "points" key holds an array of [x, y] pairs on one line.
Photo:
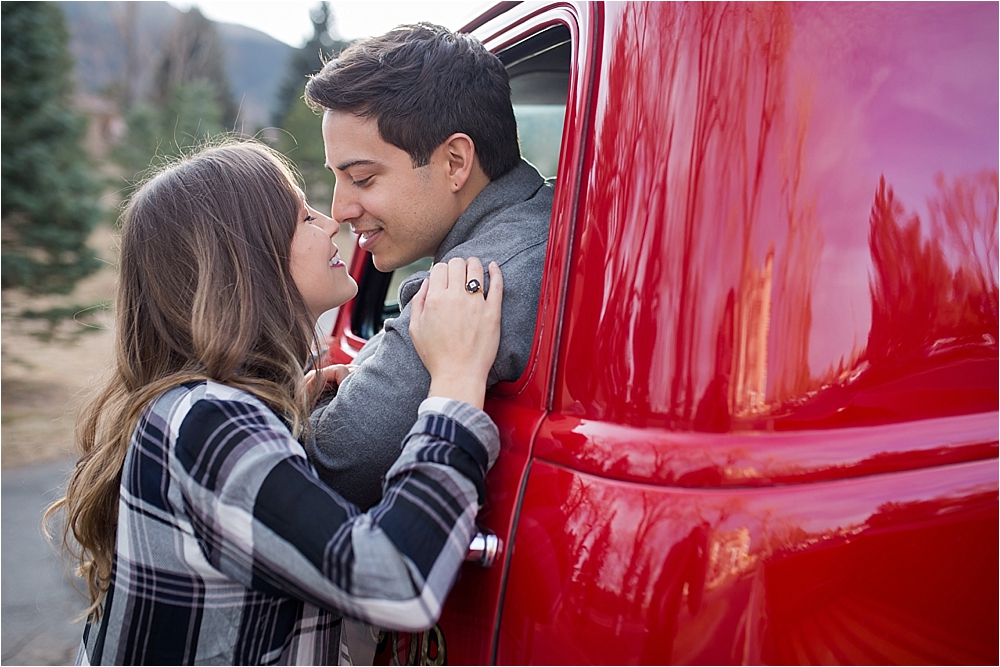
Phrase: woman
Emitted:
{"points": [[200, 528]]}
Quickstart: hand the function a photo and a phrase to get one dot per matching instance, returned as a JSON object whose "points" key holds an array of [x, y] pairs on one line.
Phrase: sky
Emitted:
{"points": [[289, 20]]}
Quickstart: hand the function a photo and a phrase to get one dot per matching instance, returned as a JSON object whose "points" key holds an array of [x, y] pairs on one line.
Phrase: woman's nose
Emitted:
{"points": [[324, 222], [329, 225]]}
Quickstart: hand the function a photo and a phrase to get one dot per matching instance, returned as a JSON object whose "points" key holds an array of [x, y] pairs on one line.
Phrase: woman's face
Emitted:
{"points": [[317, 270]]}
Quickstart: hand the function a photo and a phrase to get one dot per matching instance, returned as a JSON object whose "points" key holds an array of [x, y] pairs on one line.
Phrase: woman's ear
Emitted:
{"points": [[460, 158]]}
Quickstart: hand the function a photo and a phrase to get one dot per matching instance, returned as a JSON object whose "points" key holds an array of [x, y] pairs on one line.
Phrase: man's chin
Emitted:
{"points": [[388, 263], [385, 264]]}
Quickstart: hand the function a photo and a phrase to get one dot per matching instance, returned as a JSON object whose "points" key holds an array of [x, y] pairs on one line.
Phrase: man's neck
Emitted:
{"points": [[477, 182]]}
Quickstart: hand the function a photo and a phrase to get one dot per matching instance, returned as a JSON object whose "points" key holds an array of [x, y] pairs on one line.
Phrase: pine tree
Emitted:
{"points": [[301, 136], [50, 203], [308, 60]]}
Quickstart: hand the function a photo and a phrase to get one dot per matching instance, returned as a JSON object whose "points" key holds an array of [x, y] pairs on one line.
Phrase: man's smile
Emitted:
{"points": [[368, 236]]}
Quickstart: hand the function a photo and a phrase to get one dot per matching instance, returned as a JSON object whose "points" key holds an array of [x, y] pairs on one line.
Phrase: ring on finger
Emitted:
{"points": [[473, 286]]}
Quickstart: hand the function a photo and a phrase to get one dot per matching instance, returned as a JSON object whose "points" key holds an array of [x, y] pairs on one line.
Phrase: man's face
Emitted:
{"points": [[402, 213]]}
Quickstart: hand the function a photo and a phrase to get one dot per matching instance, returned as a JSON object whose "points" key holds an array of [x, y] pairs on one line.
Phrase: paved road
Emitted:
{"points": [[38, 603]]}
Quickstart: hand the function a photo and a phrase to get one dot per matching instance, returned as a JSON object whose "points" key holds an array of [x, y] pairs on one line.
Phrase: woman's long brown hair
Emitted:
{"points": [[204, 293]]}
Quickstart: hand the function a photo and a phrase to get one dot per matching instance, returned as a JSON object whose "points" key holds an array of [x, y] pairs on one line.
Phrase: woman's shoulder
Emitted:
{"points": [[197, 409], [178, 401], [213, 424]]}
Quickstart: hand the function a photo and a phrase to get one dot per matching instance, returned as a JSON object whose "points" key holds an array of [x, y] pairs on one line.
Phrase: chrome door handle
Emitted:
{"points": [[484, 548]]}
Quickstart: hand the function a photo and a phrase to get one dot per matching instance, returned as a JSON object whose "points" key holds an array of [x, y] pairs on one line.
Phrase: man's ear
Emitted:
{"points": [[460, 159]]}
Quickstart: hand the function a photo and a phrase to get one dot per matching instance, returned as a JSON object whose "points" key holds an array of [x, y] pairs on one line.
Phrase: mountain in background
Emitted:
{"points": [[256, 64], [116, 46]]}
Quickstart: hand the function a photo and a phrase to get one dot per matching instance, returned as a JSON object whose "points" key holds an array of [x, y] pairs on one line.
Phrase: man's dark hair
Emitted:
{"points": [[422, 83]]}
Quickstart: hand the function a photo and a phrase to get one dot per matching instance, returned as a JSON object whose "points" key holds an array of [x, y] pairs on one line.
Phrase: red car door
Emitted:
{"points": [[549, 52]]}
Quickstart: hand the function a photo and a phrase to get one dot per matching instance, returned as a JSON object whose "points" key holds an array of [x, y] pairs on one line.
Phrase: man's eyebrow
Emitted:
{"points": [[353, 163]]}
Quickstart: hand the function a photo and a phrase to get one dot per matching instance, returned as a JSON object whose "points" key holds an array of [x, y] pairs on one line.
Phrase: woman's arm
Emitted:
{"points": [[263, 518]]}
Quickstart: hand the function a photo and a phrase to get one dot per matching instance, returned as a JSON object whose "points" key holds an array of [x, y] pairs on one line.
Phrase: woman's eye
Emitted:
{"points": [[310, 218]]}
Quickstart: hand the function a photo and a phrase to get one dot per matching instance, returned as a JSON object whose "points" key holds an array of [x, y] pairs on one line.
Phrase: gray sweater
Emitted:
{"points": [[357, 436]]}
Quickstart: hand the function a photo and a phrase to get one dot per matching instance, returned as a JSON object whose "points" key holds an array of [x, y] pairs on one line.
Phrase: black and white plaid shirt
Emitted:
{"points": [[231, 551]]}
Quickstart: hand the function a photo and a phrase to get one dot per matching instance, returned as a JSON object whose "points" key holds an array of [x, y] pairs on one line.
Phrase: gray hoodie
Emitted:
{"points": [[358, 435]]}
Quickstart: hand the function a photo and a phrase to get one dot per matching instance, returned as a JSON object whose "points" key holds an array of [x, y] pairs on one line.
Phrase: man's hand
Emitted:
{"points": [[457, 332]]}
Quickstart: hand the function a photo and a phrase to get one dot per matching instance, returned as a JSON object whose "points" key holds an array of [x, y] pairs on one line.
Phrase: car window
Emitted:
{"points": [[539, 128], [391, 300], [539, 82]]}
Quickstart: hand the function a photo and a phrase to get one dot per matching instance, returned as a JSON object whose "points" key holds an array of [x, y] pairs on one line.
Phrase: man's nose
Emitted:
{"points": [[345, 207]]}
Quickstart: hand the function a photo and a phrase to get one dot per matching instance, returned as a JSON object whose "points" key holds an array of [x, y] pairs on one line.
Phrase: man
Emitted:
{"points": [[419, 130]]}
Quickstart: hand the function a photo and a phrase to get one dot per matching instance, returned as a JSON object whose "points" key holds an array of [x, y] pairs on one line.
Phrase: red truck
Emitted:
{"points": [[760, 421]]}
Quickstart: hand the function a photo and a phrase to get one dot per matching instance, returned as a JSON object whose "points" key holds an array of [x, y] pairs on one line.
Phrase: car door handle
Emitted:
{"points": [[484, 548]]}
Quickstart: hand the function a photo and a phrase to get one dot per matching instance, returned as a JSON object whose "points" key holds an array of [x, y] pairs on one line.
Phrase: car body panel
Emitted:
{"points": [[717, 460], [610, 572], [789, 218]]}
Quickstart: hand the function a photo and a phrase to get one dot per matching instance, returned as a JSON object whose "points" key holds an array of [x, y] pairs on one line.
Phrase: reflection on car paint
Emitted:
{"points": [[803, 574], [412, 648], [748, 259]]}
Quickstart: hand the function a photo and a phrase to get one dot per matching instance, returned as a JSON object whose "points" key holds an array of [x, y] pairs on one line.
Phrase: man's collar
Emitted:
{"points": [[517, 185]]}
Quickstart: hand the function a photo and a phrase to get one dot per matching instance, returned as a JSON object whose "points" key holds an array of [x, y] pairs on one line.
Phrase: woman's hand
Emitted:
{"points": [[328, 375], [457, 333]]}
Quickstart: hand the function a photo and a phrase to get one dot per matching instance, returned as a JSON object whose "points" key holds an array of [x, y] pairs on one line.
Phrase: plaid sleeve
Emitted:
{"points": [[262, 517]]}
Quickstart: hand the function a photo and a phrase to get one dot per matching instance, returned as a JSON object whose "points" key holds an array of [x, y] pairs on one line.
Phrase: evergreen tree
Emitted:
{"points": [[308, 60], [50, 203], [301, 136], [192, 52], [190, 115]]}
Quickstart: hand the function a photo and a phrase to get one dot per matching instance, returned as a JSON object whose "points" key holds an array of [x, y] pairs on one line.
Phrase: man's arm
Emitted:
{"points": [[357, 436]]}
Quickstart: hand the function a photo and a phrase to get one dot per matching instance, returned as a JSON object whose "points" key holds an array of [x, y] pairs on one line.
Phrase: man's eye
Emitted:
{"points": [[362, 182]]}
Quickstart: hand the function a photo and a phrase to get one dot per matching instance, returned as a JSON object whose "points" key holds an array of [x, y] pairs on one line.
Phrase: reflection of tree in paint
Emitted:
{"points": [[919, 303], [702, 268], [703, 116], [932, 345], [822, 603], [933, 288]]}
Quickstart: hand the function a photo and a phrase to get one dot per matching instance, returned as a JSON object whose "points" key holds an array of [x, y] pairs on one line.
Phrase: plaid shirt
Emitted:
{"points": [[231, 551]]}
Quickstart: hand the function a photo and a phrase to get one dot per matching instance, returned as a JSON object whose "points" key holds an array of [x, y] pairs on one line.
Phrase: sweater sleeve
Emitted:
{"points": [[262, 517], [357, 435]]}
